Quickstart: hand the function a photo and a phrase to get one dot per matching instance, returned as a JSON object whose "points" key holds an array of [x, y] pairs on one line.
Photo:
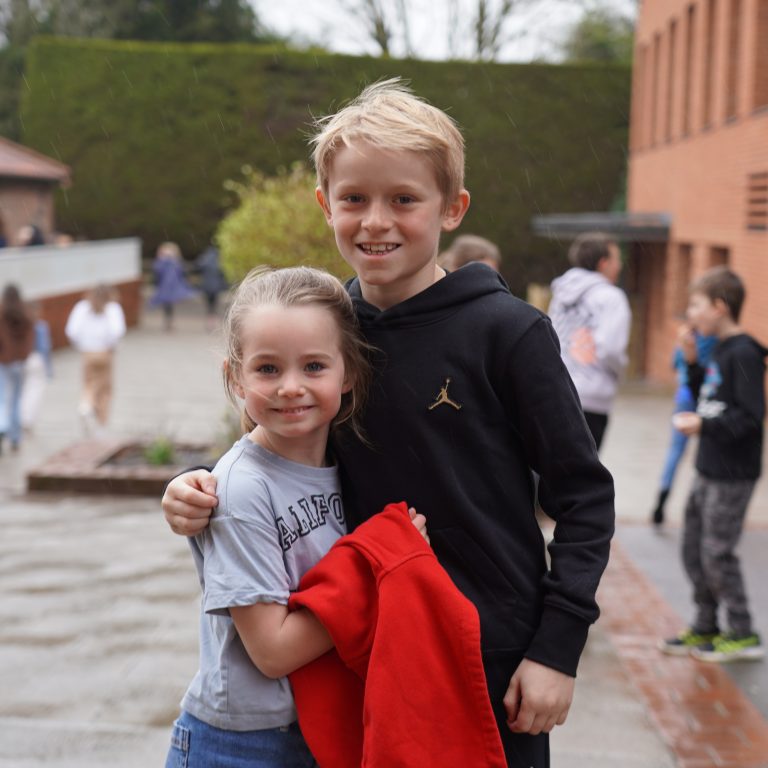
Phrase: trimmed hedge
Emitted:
{"points": [[152, 130]]}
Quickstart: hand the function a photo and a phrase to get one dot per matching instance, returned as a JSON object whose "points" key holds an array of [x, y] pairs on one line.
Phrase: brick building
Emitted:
{"points": [[699, 156], [28, 181]]}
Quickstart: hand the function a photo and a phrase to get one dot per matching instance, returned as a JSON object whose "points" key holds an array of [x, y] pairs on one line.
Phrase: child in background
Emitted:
{"points": [[684, 401], [729, 421], [468, 248], [39, 368], [94, 326], [212, 282], [294, 356], [470, 394], [17, 338], [171, 285]]}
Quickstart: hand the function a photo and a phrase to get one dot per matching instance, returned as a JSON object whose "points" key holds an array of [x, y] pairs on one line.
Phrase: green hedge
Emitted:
{"points": [[152, 130]]}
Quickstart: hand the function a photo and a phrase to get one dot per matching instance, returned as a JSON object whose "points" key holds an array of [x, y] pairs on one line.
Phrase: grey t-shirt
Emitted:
{"points": [[274, 521]]}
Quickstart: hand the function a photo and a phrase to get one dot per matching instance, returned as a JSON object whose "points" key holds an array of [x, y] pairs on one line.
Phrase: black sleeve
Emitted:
{"points": [[575, 489], [746, 410]]}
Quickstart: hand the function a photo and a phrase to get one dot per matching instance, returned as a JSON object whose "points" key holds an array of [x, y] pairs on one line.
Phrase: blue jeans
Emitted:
{"points": [[195, 744], [11, 382], [683, 402]]}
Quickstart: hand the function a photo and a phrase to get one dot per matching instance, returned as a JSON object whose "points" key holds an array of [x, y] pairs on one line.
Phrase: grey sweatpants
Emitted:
{"points": [[714, 520]]}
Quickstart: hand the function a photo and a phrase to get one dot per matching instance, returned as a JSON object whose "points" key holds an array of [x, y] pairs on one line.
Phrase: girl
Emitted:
{"points": [[94, 326], [171, 283], [295, 359], [17, 338]]}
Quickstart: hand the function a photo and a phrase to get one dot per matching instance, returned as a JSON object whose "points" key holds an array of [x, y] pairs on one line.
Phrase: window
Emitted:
{"points": [[681, 277], [671, 52], [734, 54], [690, 33], [718, 257], [761, 55], [709, 56], [655, 88]]}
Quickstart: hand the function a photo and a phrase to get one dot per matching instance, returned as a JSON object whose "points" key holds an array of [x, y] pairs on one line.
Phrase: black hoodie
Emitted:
{"points": [[470, 395], [731, 403]]}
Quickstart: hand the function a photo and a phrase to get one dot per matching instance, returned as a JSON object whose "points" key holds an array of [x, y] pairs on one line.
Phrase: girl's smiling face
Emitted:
{"points": [[292, 378]]}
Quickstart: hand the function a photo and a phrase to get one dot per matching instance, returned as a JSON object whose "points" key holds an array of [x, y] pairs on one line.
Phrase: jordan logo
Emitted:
{"points": [[443, 398]]}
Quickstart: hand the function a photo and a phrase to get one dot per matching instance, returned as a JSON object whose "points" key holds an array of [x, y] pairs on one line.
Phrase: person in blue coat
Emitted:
{"points": [[170, 281], [684, 401]]}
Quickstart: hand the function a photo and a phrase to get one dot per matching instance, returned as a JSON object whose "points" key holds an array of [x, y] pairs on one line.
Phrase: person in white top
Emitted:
{"points": [[94, 327], [592, 318]]}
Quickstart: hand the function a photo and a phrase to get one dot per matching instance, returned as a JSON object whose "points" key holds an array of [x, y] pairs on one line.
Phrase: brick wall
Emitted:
{"points": [[25, 202], [698, 137]]}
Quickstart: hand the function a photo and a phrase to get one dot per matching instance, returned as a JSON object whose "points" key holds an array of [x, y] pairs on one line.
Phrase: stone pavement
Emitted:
{"points": [[98, 627]]}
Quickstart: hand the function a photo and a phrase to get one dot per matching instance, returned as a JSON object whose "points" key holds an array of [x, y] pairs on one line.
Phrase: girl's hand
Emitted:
{"points": [[419, 522], [188, 502]]}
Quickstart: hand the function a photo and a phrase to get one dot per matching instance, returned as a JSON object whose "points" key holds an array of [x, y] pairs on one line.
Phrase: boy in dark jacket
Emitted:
{"points": [[470, 394], [729, 420]]}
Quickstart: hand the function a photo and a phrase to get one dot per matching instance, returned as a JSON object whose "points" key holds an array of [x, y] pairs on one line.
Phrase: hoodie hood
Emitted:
{"points": [[743, 341], [570, 287], [444, 297]]}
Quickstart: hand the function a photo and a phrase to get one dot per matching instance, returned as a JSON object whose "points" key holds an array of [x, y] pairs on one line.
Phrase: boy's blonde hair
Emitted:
{"points": [[388, 115], [297, 287]]}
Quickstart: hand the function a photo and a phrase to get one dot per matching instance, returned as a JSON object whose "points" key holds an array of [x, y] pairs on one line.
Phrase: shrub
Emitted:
{"points": [[160, 451], [278, 223]]}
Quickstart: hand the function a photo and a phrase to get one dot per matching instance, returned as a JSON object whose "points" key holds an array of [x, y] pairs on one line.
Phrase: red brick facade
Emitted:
{"points": [[699, 151]]}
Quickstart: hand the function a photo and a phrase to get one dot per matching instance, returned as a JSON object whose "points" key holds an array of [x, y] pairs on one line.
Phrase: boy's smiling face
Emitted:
{"points": [[387, 213]]}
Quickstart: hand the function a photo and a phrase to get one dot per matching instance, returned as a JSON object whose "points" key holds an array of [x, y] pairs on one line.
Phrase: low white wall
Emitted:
{"points": [[48, 270]]}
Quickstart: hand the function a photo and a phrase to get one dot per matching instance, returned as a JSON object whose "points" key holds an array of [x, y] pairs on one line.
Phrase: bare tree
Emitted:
{"points": [[387, 25], [374, 19], [487, 25], [477, 29]]}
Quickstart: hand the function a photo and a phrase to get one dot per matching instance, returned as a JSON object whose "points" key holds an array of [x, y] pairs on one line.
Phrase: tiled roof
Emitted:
{"points": [[21, 162]]}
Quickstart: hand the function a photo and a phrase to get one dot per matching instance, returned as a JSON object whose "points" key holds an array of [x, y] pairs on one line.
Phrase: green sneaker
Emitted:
{"points": [[683, 644], [730, 648]]}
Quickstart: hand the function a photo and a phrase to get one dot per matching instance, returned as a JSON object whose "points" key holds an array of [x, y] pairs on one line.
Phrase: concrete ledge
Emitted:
{"points": [[90, 467]]}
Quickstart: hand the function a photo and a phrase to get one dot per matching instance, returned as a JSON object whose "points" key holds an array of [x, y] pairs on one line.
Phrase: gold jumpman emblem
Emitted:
{"points": [[443, 397]]}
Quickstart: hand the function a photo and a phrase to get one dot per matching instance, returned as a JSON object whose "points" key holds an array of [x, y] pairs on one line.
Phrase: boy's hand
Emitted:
{"points": [[419, 522], [687, 422], [538, 698], [189, 500]]}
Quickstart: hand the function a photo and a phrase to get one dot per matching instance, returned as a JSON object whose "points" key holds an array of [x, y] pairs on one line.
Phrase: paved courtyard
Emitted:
{"points": [[98, 628]]}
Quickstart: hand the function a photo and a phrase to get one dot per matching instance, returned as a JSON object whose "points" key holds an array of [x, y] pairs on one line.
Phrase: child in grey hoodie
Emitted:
{"points": [[592, 318]]}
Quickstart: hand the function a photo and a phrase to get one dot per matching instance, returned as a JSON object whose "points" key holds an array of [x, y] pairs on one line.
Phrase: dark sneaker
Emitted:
{"points": [[687, 640], [730, 648]]}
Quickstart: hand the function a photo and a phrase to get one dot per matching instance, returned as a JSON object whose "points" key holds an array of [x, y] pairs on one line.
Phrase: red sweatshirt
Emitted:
{"points": [[405, 685]]}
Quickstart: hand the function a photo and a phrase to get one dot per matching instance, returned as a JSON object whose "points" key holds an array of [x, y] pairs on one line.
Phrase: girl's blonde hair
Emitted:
{"points": [[388, 115], [299, 287]]}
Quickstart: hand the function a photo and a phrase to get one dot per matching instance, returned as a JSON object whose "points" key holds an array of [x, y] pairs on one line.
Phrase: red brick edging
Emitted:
{"points": [[699, 711]]}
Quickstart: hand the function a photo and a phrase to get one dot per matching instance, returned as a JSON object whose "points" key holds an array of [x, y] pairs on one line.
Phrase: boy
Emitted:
{"points": [[729, 419], [469, 395], [468, 248], [591, 316]]}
